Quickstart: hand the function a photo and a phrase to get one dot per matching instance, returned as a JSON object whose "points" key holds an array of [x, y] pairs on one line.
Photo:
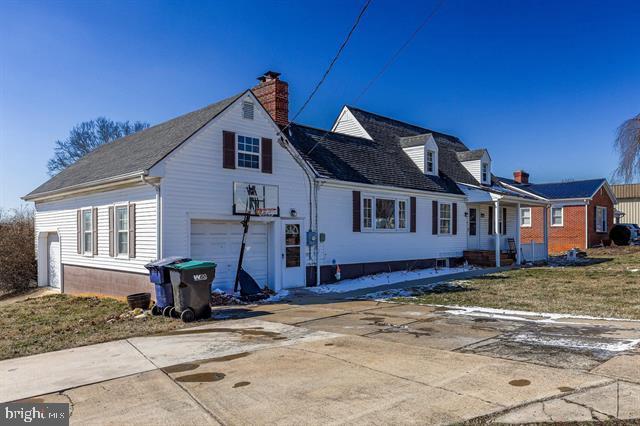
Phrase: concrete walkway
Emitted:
{"points": [[343, 361]]}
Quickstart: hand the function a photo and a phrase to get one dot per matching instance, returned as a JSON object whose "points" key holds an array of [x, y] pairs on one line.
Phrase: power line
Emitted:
{"points": [[333, 61], [391, 60]]}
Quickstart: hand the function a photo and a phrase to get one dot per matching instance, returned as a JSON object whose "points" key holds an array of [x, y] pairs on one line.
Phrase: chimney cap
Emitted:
{"points": [[269, 75]]}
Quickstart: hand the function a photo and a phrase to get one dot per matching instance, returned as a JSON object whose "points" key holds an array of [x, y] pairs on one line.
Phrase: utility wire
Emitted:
{"points": [[388, 64], [333, 62]]}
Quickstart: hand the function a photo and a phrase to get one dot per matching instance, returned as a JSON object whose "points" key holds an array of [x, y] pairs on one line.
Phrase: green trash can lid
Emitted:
{"points": [[193, 264]]}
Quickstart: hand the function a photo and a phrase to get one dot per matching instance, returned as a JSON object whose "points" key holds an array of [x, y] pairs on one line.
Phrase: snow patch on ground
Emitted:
{"points": [[385, 278], [514, 315], [614, 346], [282, 294]]}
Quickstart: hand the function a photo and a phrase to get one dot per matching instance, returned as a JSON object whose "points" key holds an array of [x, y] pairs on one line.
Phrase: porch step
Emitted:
{"points": [[486, 258]]}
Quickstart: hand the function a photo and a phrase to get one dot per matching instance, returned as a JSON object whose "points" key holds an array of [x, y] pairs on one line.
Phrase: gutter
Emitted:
{"points": [[159, 218], [87, 186]]}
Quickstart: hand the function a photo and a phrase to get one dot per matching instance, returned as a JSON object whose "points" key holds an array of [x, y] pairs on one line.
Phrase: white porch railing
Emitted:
{"points": [[533, 252]]}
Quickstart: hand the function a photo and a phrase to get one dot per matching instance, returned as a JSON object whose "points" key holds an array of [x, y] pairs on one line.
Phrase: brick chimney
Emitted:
{"points": [[521, 176], [273, 94]]}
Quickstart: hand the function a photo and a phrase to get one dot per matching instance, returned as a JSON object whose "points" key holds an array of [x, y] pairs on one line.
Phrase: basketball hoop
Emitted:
{"points": [[255, 199]]}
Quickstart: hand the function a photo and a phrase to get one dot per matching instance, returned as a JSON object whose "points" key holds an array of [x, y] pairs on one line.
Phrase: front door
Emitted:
{"points": [[53, 260], [473, 231], [293, 254]]}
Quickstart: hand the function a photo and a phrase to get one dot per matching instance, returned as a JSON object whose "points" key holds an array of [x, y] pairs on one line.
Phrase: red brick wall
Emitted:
{"points": [[600, 199], [572, 234]]}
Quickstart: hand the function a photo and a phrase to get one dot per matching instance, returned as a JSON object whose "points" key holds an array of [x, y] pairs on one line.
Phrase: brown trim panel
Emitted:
{"points": [[82, 279]]}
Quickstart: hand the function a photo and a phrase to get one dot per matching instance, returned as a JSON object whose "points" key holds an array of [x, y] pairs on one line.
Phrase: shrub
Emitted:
{"points": [[18, 267]]}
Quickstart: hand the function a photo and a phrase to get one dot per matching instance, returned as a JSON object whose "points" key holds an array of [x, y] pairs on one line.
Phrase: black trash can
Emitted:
{"points": [[160, 277], [191, 282]]}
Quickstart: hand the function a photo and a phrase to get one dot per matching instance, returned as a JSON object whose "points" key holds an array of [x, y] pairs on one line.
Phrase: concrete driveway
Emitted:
{"points": [[324, 361]]}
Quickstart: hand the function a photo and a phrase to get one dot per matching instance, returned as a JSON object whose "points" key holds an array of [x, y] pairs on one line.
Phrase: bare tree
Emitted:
{"points": [[87, 136], [627, 144]]}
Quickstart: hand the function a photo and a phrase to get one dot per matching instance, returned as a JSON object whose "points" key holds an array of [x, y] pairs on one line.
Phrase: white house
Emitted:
{"points": [[373, 194]]}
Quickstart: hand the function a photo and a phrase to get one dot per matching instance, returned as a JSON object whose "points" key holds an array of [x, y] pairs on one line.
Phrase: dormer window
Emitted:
{"points": [[485, 172], [429, 161]]}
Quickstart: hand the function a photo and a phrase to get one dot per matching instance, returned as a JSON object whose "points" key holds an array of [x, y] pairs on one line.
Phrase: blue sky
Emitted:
{"points": [[542, 84]]}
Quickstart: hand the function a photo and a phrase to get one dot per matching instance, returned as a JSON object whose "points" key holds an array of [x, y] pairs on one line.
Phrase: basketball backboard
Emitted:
{"points": [[255, 199]]}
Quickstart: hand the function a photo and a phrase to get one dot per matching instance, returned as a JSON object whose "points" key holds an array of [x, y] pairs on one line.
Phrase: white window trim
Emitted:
{"points": [[440, 204], [432, 162], [397, 200], [522, 217], [561, 224], [259, 153], [484, 174], [606, 220], [116, 248], [85, 252]]}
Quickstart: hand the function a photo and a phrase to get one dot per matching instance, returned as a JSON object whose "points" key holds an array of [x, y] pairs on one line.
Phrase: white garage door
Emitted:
{"points": [[220, 242]]}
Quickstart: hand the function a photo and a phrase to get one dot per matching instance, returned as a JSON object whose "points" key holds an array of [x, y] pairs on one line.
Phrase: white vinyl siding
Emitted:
{"points": [[61, 215], [416, 153], [347, 124], [475, 168]]}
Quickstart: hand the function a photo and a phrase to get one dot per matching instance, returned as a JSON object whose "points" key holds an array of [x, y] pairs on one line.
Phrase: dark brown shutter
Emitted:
{"points": [[79, 231], [412, 214], [595, 218], [228, 150], [490, 227], [434, 217], [267, 155], [504, 221], [454, 218], [356, 211], [94, 224], [132, 230], [111, 240]]}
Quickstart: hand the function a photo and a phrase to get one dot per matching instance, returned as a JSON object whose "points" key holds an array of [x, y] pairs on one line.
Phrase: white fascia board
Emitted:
{"points": [[394, 189], [520, 190]]}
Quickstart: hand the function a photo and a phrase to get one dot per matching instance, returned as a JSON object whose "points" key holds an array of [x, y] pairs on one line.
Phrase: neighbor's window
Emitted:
{"points": [[525, 217], [485, 172], [385, 213], [367, 213], [248, 152], [429, 161], [402, 214], [556, 216], [87, 232], [122, 230], [601, 219], [445, 218]]}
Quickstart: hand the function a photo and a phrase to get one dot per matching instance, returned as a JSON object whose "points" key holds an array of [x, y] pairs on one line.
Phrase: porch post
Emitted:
{"points": [[518, 222], [545, 221], [496, 231]]}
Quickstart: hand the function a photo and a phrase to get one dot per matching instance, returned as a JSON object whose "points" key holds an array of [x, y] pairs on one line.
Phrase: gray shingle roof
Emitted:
{"points": [[354, 159], [560, 190], [411, 141], [134, 153], [474, 155], [390, 131]]}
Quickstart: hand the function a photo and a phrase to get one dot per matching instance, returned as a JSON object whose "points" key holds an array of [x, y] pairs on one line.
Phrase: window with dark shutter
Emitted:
{"points": [[79, 231], [412, 214], [95, 231], [111, 234], [132, 230], [434, 217], [454, 218], [356, 211], [228, 150], [504, 221], [490, 227], [267, 156]]}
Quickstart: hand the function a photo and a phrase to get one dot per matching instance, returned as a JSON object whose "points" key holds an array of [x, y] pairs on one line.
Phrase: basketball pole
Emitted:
{"points": [[251, 200]]}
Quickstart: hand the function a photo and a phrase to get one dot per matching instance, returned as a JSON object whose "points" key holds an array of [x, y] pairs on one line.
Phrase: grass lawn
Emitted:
{"points": [[54, 322], [610, 288]]}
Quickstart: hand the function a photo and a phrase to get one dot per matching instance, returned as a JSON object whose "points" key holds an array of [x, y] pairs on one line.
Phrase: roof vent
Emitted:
{"points": [[247, 110]]}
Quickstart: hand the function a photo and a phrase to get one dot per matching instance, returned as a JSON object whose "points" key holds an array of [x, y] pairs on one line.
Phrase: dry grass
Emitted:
{"points": [[610, 288], [55, 322]]}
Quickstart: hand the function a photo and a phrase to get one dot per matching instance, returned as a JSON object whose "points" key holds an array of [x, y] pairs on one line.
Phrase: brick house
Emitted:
{"points": [[580, 213]]}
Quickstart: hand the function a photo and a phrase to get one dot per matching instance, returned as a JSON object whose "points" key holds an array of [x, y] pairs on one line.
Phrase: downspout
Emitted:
{"points": [[317, 231], [158, 216], [586, 224]]}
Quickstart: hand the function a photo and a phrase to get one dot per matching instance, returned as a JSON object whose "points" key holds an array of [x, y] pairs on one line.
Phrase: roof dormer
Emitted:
{"points": [[423, 150], [478, 163]]}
